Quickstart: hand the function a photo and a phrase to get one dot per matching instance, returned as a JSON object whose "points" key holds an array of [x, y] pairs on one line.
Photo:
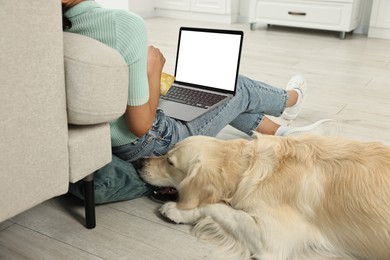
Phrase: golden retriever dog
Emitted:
{"points": [[281, 197]]}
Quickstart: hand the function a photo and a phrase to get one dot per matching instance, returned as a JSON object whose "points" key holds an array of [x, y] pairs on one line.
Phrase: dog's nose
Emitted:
{"points": [[138, 164]]}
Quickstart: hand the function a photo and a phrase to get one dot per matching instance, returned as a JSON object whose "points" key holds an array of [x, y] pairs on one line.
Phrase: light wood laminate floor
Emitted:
{"points": [[349, 80]]}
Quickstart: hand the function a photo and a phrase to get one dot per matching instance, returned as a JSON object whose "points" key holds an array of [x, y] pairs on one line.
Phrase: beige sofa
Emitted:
{"points": [[58, 92]]}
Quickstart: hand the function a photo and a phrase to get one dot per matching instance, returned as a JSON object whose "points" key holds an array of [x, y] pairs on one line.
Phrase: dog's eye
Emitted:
{"points": [[169, 161]]}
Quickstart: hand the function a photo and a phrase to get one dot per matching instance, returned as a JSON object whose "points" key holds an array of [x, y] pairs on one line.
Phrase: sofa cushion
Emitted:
{"points": [[96, 78], [89, 149]]}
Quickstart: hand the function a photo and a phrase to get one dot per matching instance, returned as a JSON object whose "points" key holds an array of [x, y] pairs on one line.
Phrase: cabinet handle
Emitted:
{"points": [[296, 13]]}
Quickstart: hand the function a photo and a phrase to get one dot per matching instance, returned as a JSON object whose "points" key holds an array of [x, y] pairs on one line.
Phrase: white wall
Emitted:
{"points": [[114, 4], [144, 8]]}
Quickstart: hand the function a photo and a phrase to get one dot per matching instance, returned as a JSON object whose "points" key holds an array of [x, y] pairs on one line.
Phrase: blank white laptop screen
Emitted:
{"points": [[208, 59]]}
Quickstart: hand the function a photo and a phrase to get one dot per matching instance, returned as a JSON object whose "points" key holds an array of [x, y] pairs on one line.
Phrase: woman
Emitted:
{"points": [[144, 130]]}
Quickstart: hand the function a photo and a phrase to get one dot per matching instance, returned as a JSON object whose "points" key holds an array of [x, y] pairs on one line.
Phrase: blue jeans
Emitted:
{"points": [[244, 111], [119, 180], [114, 182]]}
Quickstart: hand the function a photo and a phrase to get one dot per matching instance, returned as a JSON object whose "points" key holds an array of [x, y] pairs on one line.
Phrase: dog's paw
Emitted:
{"points": [[171, 212], [176, 215]]}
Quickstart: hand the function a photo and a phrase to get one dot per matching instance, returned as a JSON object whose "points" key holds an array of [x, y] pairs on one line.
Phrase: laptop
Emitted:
{"points": [[207, 66]]}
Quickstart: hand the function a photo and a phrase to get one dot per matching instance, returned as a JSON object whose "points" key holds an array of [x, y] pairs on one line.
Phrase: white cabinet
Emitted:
{"points": [[380, 20], [335, 15], [205, 10]]}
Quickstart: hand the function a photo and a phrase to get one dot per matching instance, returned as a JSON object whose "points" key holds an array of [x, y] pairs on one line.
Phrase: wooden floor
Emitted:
{"points": [[349, 80]]}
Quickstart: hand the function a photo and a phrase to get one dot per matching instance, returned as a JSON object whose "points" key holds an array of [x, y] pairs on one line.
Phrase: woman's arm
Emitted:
{"points": [[139, 119]]}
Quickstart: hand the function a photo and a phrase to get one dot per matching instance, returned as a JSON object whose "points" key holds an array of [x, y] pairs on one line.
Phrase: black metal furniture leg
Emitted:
{"points": [[89, 199]]}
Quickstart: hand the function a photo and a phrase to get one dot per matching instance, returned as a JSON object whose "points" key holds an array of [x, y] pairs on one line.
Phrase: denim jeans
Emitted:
{"points": [[119, 181], [114, 182], [244, 112]]}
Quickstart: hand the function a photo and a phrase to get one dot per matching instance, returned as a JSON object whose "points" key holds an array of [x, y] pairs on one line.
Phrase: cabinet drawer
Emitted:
{"points": [[287, 13]]}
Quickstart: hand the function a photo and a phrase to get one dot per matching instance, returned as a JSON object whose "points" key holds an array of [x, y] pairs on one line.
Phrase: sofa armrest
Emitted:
{"points": [[96, 78]]}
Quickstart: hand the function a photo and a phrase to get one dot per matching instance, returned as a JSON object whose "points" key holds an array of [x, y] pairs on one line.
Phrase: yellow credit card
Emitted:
{"points": [[166, 82]]}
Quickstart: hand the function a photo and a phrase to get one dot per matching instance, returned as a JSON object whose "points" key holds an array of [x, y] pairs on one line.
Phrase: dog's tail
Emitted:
{"points": [[209, 230]]}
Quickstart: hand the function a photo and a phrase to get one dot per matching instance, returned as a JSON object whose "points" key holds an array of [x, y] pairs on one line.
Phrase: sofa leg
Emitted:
{"points": [[89, 199]]}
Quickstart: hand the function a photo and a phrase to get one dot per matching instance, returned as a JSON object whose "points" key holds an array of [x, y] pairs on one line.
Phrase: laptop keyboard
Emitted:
{"points": [[192, 97]]}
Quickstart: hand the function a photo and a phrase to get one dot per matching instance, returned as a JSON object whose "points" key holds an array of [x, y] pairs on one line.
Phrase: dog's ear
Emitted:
{"points": [[200, 187], [189, 190]]}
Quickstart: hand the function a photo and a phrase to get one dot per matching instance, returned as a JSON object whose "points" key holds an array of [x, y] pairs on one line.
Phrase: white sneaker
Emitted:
{"points": [[299, 83], [323, 127]]}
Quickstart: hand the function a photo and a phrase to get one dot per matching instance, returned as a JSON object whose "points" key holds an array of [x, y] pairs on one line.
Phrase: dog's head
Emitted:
{"points": [[172, 168], [203, 169]]}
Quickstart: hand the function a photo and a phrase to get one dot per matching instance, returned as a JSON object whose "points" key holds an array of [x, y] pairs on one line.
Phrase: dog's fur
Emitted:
{"points": [[281, 197]]}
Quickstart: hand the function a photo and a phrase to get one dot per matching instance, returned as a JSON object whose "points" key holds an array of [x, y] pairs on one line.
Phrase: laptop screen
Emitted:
{"points": [[209, 58]]}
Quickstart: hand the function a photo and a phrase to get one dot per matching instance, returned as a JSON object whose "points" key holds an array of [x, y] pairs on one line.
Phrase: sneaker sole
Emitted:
{"points": [[312, 127]]}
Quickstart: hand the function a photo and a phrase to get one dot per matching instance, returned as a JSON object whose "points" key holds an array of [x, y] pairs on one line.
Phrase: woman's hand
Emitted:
{"points": [[156, 61]]}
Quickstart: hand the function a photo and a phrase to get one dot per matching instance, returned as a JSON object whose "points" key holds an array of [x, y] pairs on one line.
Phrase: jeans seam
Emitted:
{"points": [[200, 130]]}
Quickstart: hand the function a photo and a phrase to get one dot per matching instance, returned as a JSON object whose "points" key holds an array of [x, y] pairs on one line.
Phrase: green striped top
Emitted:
{"points": [[125, 32]]}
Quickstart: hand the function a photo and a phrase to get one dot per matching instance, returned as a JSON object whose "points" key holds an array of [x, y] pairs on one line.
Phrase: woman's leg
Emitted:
{"points": [[267, 127], [245, 111], [247, 108]]}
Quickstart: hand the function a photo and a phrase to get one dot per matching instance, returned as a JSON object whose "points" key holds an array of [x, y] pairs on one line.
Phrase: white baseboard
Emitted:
{"points": [[381, 33], [147, 14]]}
